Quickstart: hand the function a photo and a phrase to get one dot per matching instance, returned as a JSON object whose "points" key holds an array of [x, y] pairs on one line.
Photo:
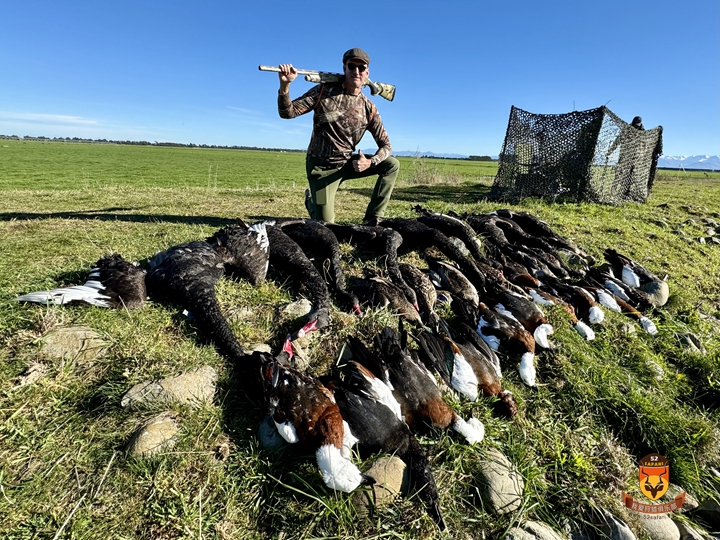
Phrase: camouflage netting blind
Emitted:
{"points": [[583, 156]]}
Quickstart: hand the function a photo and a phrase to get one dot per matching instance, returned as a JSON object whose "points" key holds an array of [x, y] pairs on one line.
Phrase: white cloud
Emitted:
{"points": [[46, 119]]}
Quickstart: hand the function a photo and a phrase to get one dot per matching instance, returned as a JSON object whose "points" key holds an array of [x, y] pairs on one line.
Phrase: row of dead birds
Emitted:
{"points": [[495, 271]]}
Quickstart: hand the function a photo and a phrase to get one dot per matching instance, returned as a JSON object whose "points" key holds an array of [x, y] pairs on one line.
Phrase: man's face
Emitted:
{"points": [[356, 70]]}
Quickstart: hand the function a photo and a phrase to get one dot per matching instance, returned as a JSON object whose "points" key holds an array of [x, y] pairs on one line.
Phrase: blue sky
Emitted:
{"points": [[187, 71]]}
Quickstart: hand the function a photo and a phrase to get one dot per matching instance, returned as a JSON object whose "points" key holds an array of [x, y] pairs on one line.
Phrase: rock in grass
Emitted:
{"points": [[660, 527], [533, 530], [156, 434], [500, 483], [659, 292], [192, 388], [31, 375], [297, 309], [74, 343], [392, 479]]}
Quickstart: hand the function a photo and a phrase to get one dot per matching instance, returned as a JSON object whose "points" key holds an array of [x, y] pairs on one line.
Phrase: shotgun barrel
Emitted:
{"points": [[384, 90]]}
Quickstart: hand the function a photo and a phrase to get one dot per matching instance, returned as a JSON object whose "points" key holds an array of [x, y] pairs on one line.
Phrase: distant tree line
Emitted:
{"points": [[193, 145], [143, 143]]}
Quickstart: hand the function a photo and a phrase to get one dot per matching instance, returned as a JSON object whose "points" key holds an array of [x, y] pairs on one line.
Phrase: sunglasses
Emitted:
{"points": [[359, 67]]}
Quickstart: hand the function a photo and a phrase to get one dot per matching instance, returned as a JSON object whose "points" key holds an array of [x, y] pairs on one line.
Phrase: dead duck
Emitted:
{"points": [[113, 283], [504, 334], [543, 298], [419, 237], [244, 250], [466, 364], [288, 258], [452, 226], [531, 224], [379, 292], [187, 274], [416, 390], [305, 412], [448, 277], [523, 310], [425, 292], [582, 301], [630, 272], [378, 429]]}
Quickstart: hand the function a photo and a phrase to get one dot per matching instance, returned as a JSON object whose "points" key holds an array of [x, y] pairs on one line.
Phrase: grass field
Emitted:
{"points": [[576, 440]]}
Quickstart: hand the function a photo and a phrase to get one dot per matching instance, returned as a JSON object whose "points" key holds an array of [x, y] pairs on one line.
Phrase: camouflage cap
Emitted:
{"points": [[356, 53]]}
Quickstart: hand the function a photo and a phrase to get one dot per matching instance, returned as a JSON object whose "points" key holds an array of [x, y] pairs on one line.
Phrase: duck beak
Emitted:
{"points": [[358, 311]]}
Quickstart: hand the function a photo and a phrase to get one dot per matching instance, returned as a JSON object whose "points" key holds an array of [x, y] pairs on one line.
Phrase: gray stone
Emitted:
{"points": [[660, 527], [76, 343], [260, 347], [32, 374], [192, 388], [710, 232], [628, 329], [297, 309], [659, 292], [533, 530], [679, 232], [691, 502], [661, 223], [714, 240], [702, 240], [392, 478], [687, 532], [656, 369], [153, 436], [500, 483], [709, 221], [614, 528]]}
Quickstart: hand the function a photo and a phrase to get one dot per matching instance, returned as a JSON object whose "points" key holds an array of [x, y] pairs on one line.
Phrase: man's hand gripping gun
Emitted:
{"points": [[384, 90]]}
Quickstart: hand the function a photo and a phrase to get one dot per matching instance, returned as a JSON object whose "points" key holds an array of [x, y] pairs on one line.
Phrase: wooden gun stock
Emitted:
{"points": [[383, 90]]}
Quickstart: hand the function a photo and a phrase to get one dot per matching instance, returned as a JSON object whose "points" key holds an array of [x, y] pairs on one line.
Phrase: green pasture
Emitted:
{"points": [[599, 406]]}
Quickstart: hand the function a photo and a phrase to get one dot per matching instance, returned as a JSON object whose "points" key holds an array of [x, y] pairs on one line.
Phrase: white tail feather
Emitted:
{"points": [[473, 430], [541, 335], [585, 331]]}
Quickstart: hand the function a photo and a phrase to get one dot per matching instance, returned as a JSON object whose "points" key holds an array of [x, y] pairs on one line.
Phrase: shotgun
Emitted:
{"points": [[384, 90]]}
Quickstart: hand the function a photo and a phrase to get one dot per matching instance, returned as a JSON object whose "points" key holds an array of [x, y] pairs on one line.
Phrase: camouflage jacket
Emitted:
{"points": [[339, 122]]}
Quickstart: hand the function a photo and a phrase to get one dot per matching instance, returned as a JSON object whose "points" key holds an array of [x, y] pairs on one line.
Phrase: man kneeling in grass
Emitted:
{"points": [[342, 115]]}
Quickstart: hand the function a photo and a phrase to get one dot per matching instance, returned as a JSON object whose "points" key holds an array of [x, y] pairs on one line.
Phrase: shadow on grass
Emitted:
{"points": [[107, 215], [459, 194]]}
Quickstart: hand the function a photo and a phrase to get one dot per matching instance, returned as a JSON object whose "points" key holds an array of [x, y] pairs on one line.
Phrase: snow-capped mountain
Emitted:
{"points": [[690, 162]]}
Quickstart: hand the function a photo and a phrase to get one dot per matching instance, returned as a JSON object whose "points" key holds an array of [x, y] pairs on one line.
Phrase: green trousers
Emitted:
{"points": [[324, 183]]}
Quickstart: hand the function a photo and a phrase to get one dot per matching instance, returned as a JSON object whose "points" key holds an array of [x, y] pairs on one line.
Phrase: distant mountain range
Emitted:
{"points": [[706, 162], [418, 153]]}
